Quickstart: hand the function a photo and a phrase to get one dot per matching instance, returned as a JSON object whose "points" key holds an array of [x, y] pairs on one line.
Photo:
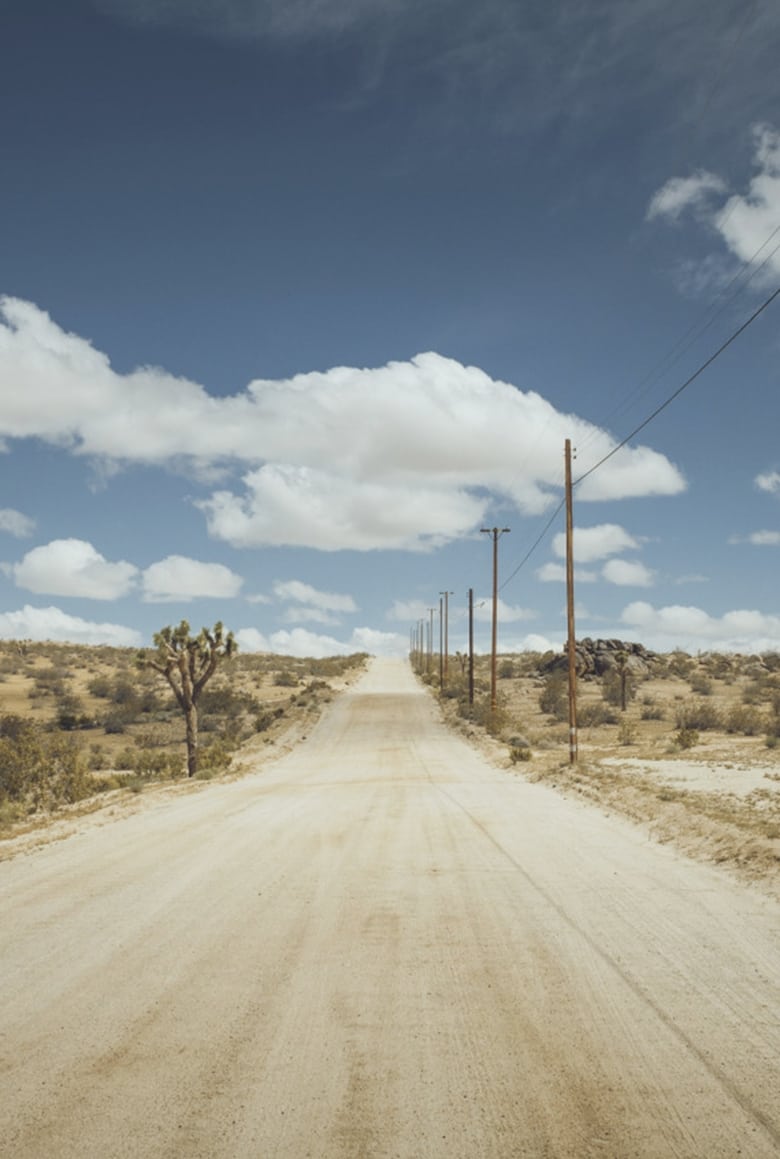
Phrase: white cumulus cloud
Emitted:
{"points": [[692, 628], [627, 573], [53, 624], [424, 446], [72, 567], [177, 578], [592, 543], [764, 538]]}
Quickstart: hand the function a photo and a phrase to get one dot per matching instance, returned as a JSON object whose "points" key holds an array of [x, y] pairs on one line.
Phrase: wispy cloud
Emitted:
{"points": [[683, 193], [769, 481], [747, 223], [306, 604], [15, 523], [531, 64]]}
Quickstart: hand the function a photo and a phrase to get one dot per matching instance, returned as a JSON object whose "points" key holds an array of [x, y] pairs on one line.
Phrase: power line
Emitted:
{"points": [[724, 346], [692, 378]]}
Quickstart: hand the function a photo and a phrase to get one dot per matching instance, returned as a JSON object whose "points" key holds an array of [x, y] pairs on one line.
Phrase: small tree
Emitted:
{"points": [[187, 663]]}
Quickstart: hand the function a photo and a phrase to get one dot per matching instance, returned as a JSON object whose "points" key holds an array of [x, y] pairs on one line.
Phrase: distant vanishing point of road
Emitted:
{"points": [[381, 946]]}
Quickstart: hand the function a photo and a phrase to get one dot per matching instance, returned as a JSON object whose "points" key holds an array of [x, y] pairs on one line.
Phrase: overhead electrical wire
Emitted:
{"points": [[692, 378], [675, 394]]}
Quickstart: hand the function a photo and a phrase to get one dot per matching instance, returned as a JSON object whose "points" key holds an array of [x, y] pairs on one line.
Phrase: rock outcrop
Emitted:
{"points": [[595, 657]]}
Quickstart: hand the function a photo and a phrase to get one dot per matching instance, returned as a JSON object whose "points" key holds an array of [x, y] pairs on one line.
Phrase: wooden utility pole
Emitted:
{"points": [[446, 667], [471, 647], [430, 641], [495, 532], [441, 642], [572, 655]]}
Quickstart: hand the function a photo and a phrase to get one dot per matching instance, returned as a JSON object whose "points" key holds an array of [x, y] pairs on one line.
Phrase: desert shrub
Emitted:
{"points": [[97, 758], [699, 715], [493, 720], [39, 768], [151, 763], [651, 710], [627, 732], [519, 753], [594, 713], [215, 757], [686, 738], [554, 697], [285, 679], [700, 684], [774, 719], [100, 687], [506, 670], [745, 719], [49, 682], [612, 686], [266, 717], [679, 664], [71, 714]]}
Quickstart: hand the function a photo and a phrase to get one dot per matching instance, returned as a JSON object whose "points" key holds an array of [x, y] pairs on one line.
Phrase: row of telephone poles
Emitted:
{"points": [[422, 633], [421, 638]]}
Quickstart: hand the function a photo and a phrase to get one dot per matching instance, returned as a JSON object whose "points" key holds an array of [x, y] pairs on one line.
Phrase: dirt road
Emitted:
{"points": [[382, 946]]}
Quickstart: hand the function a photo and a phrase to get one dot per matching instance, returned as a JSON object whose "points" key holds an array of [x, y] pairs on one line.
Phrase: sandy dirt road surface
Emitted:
{"points": [[382, 946]]}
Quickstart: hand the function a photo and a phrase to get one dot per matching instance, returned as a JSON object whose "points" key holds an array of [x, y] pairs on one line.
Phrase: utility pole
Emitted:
{"points": [[445, 670], [570, 610], [495, 532], [471, 647], [441, 642], [430, 641]]}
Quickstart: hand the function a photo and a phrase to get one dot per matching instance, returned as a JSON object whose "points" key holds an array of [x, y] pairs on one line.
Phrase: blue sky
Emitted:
{"points": [[298, 295]]}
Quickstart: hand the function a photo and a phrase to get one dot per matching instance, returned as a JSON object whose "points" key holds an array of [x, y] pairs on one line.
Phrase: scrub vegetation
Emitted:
{"points": [[79, 722], [687, 745]]}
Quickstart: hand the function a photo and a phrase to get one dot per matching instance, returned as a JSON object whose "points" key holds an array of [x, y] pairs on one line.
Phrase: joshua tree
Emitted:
{"points": [[187, 663]]}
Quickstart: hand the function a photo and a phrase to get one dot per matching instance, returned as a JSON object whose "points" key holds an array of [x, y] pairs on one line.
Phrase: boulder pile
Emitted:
{"points": [[595, 657]]}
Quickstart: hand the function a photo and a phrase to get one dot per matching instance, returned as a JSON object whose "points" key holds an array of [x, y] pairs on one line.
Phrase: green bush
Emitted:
{"points": [[40, 769]]}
